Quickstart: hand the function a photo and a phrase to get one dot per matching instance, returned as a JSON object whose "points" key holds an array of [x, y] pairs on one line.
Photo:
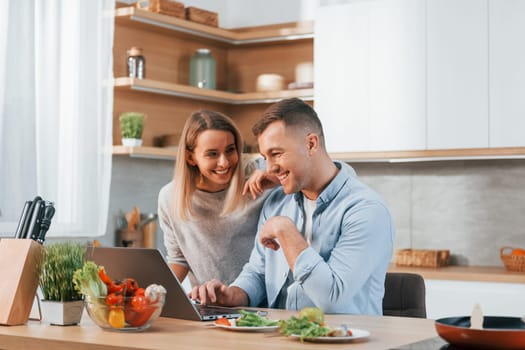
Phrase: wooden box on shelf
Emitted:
{"points": [[198, 15], [422, 257], [165, 7]]}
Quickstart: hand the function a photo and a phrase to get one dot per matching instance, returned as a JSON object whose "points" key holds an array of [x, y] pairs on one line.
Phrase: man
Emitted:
{"points": [[325, 239]]}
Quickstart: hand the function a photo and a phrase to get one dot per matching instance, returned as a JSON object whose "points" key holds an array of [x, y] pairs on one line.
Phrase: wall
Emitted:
{"points": [[470, 207]]}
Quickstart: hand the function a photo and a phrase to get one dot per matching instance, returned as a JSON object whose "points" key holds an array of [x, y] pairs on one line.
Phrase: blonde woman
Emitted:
{"points": [[209, 226]]}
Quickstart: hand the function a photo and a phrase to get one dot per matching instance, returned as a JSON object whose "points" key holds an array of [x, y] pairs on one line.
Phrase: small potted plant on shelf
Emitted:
{"points": [[61, 303], [131, 126]]}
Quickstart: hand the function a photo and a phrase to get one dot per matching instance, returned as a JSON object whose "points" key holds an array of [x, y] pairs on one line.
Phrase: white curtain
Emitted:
{"points": [[56, 102]]}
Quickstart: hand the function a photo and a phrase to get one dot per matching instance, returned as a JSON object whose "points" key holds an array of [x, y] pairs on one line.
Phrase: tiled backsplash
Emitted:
{"points": [[469, 207]]}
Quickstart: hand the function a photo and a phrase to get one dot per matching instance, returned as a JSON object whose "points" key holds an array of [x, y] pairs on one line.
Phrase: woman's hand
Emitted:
{"points": [[258, 182]]}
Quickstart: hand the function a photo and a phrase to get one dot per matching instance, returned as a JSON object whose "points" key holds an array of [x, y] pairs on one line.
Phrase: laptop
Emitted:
{"points": [[148, 266]]}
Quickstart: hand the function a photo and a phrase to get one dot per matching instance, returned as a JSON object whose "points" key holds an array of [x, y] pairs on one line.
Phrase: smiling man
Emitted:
{"points": [[325, 239]]}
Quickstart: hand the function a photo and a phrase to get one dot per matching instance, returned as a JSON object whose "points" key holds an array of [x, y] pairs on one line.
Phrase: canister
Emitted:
{"points": [[136, 63], [202, 69]]}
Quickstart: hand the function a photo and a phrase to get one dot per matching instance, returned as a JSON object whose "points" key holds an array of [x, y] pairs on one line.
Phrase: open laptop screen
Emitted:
{"points": [[148, 266]]}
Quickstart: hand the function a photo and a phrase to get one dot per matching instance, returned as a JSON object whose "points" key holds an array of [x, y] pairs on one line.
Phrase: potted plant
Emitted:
{"points": [[61, 303], [131, 126]]}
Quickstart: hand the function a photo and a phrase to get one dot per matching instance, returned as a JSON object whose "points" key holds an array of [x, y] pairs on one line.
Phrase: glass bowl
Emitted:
{"points": [[122, 317]]}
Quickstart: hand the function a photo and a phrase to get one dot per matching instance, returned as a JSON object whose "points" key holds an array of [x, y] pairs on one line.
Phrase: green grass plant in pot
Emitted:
{"points": [[61, 303], [131, 127]]}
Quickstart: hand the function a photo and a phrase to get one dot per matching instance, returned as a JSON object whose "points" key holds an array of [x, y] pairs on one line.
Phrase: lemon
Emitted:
{"points": [[313, 314]]}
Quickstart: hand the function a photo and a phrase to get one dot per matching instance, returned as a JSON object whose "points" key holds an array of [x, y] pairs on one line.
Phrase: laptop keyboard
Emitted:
{"points": [[215, 310]]}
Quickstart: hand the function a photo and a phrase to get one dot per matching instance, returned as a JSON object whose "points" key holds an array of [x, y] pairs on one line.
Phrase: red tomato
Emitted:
{"points": [[116, 287], [114, 299], [140, 291], [136, 318], [130, 286], [139, 302], [140, 311]]}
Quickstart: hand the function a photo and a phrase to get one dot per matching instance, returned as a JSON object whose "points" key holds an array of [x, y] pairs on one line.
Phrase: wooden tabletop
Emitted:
{"points": [[496, 274], [168, 333]]}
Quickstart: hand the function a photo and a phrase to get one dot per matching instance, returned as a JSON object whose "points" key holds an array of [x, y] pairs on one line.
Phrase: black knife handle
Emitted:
{"points": [[23, 218], [49, 211], [34, 225], [24, 231]]}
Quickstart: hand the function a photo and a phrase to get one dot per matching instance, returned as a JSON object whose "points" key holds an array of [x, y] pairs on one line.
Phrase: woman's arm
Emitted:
{"points": [[180, 271]]}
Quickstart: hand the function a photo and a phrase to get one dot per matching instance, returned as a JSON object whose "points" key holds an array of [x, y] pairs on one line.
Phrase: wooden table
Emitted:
{"points": [[169, 333]]}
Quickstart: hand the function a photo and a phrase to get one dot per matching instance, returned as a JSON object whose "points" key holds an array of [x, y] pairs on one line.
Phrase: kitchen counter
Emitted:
{"points": [[169, 333], [464, 273]]}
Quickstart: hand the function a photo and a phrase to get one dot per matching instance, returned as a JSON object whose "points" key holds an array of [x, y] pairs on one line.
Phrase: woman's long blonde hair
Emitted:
{"points": [[185, 176]]}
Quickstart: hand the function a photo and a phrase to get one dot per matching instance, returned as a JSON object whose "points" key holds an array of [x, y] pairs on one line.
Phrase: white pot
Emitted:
{"points": [[62, 313], [132, 142]]}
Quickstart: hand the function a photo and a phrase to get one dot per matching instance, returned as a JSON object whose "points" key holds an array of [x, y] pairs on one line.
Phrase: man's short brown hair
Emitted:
{"points": [[293, 112]]}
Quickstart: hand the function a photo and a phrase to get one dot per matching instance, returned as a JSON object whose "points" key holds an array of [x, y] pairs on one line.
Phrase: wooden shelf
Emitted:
{"points": [[159, 87], [145, 152], [361, 157], [432, 155], [157, 152], [273, 34]]}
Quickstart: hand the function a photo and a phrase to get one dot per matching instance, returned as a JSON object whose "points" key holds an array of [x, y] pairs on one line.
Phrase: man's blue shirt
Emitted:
{"points": [[343, 270]]}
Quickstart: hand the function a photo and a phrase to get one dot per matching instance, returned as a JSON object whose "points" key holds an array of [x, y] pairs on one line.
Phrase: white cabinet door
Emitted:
{"points": [[341, 89], [397, 75], [457, 74], [457, 298], [507, 73], [369, 75]]}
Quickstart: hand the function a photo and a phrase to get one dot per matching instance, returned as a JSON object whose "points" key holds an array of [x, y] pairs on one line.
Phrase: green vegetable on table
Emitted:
{"points": [[88, 283], [251, 319], [303, 327]]}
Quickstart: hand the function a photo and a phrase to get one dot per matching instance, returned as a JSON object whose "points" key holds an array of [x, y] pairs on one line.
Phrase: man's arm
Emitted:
{"points": [[280, 232], [362, 249]]}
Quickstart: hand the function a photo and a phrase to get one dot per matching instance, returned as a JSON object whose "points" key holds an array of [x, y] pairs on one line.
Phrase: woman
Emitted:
{"points": [[209, 226]]}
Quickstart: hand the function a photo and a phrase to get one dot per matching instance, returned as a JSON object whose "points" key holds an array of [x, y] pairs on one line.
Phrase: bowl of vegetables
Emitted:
{"points": [[118, 305]]}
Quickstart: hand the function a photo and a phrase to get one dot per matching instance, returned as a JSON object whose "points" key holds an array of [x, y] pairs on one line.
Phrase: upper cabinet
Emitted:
{"points": [[413, 78], [457, 74], [370, 86], [165, 95], [507, 73]]}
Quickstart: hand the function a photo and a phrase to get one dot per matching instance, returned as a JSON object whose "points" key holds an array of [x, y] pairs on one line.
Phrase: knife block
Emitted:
{"points": [[20, 266]]}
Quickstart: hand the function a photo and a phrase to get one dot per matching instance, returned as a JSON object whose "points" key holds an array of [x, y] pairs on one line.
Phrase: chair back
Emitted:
{"points": [[404, 295]]}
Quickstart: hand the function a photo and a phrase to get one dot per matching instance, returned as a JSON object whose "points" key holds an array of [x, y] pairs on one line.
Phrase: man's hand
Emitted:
{"points": [[259, 181], [215, 292], [280, 231]]}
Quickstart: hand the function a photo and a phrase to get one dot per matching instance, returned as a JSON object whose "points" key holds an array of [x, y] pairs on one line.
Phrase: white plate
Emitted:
{"points": [[356, 334], [248, 329]]}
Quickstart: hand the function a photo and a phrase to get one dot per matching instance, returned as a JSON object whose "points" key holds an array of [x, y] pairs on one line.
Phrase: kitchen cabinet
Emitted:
{"points": [[369, 62], [457, 74], [453, 290], [507, 73], [165, 96], [408, 80], [457, 298]]}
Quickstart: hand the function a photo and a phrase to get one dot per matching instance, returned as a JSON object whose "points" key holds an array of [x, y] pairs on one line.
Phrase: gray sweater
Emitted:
{"points": [[210, 246]]}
